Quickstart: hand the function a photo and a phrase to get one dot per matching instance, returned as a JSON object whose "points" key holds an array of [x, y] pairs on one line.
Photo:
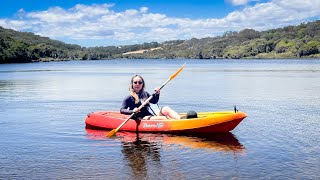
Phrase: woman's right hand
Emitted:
{"points": [[136, 110]]}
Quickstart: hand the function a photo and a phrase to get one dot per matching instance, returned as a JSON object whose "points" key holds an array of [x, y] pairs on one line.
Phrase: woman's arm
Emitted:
{"points": [[155, 98], [125, 106]]}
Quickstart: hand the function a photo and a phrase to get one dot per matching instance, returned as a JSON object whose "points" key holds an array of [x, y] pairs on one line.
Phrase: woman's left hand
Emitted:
{"points": [[157, 90]]}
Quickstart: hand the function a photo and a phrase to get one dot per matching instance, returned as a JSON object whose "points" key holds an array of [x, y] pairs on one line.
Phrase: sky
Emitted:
{"points": [[91, 23]]}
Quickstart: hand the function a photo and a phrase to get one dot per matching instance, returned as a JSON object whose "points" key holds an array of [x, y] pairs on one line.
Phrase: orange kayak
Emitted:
{"points": [[206, 122]]}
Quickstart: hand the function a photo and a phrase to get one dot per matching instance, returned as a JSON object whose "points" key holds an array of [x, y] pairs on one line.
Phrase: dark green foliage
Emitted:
{"points": [[17, 47], [13, 51], [312, 47], [288, 42]]}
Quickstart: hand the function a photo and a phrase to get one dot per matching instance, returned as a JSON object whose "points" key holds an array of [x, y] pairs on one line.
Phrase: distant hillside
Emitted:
{"points": [[302, 41]]}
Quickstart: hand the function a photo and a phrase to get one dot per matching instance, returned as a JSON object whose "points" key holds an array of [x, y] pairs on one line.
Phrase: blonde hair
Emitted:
{"points": [[132, 92]]}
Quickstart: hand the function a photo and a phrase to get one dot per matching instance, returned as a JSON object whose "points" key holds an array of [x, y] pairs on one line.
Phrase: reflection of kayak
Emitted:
{"points": [[221, 142], [224, 142], [207, 122]]}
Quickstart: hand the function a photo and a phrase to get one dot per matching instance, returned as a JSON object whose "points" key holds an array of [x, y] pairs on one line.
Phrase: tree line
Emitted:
{"points": [[301, 41]]}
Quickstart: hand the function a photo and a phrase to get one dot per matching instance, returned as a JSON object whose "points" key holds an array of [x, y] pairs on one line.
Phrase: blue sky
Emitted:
{"points": [[121, 22]]}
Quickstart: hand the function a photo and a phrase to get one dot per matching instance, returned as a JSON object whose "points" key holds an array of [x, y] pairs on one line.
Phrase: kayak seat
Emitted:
{"points": [[190, 115], [183, 117]]}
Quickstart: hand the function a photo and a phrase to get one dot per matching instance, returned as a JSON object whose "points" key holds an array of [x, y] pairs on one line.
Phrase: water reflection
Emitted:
{"points": [[222, 142], [140, 156], [4, 84], [142, 151]]}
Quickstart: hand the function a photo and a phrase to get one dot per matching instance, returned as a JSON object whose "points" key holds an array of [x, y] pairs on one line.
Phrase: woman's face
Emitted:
{"points": [[137, 84]]}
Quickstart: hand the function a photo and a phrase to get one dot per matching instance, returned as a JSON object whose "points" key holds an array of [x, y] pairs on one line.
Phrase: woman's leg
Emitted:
{"points": [[163, 114], [155, 118], [167, 111]]}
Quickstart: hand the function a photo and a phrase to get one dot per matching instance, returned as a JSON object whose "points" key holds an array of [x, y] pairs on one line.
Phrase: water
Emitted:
{"points": [[43, 107]]}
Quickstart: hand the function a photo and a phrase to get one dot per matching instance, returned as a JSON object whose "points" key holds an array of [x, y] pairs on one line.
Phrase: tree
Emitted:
{"points": [[312, 47]]}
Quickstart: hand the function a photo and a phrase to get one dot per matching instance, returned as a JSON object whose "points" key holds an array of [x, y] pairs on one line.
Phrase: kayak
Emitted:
{"points": [[206, 122]]}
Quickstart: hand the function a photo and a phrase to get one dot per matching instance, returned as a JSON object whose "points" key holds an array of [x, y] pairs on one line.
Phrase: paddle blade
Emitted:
{"points": [[112, 133], [176, 74]]}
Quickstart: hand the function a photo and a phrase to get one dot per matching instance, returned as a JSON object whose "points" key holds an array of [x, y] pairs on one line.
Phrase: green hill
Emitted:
{"points": [[302, 41]]}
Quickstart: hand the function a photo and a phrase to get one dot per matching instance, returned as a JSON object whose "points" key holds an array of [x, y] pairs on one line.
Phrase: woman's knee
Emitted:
{"points": [[165, 110]]}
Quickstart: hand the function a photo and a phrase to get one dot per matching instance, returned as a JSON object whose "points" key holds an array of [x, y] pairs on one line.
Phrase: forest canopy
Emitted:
{"points": [[302, 41]]}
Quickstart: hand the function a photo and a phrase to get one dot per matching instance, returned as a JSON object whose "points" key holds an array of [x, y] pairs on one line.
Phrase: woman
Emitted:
{"points": [[137, 96]]}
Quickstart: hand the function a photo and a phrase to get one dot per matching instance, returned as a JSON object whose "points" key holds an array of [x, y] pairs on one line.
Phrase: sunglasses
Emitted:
{"points": [[136, 82]]}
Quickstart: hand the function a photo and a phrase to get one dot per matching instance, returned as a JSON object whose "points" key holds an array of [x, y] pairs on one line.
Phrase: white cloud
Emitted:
{"points": [[275, 14], [239, 2], [143, 9], [100, 22]]}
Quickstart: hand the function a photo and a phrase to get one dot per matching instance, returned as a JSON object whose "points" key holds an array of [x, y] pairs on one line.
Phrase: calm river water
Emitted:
{"points": [[43, 107]]}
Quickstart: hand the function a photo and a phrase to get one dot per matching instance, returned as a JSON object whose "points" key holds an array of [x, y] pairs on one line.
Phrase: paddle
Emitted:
{"points": [[114, 131]]}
